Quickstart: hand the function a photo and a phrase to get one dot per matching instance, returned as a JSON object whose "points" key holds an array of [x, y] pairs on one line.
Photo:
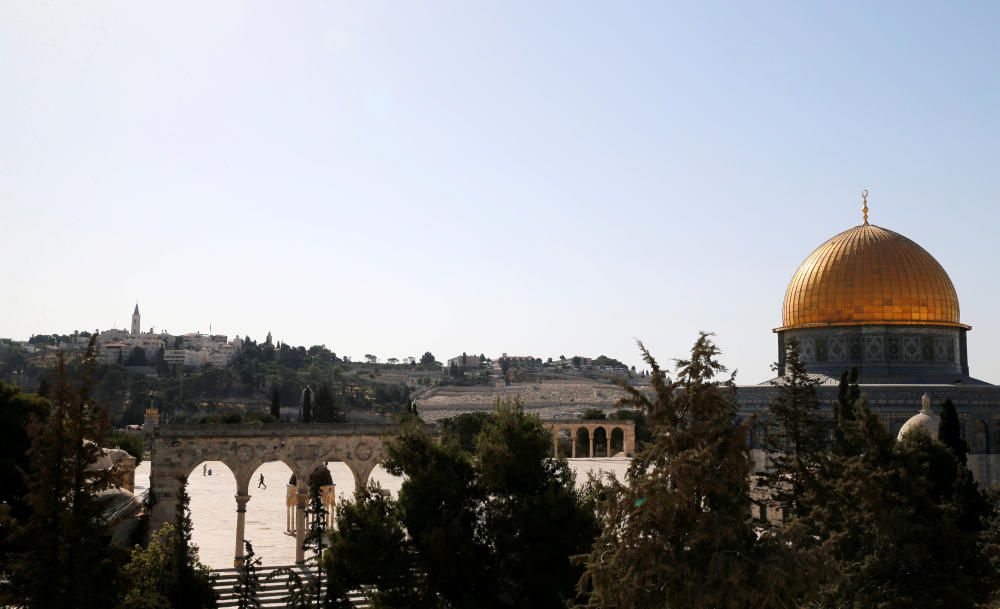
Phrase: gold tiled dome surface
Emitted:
{"points": [[870, 275]]}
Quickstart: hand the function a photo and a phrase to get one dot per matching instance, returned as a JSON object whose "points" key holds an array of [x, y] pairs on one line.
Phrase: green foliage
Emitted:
{"points": [[147, 576], [127, 441], [247, 586], [191, 585], [438, 506], [800, 442], [65, 546], [258, 417], [604, 360], [369, 550], [315, 540], [325, 407], [152, 579], [427, 360], [594, 414], [463, 429], [307, 408], [950, 432], [643, 433], [275, 402], [494, 529], [678, 534], [902, 523], [137, 357], [848, 394], [17, 411]]}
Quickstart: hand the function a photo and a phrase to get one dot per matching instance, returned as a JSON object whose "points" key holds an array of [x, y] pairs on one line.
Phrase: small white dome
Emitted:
{"points": [[925, 419]]}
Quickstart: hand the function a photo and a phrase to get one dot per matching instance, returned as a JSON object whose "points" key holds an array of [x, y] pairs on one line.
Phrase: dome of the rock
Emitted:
{"points": [[868, 275]]}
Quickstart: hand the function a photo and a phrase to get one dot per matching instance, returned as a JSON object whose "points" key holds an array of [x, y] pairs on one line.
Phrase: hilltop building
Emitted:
{"points": [[466, 361], [872, 299], [192, 350]]}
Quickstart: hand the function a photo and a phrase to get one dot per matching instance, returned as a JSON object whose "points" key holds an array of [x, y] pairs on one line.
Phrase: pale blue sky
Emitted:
{"points": [[531, 177]]}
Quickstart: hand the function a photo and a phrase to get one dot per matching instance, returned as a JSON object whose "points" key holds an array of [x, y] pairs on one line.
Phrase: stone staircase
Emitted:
{"points": [[273, 592]]}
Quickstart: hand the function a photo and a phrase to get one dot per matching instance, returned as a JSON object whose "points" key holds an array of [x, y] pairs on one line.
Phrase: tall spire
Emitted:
{"points": [[864, 210], [135, 321]]}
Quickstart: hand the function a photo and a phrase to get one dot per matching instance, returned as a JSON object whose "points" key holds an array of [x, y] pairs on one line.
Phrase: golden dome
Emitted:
{"points": [[868, 275]]}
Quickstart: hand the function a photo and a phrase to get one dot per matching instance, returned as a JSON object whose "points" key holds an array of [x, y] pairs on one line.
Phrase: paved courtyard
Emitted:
{"points": [[213, 507]]}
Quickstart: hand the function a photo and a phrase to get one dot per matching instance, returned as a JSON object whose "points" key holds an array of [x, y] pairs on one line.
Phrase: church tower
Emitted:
{"points": [[135, 321]]}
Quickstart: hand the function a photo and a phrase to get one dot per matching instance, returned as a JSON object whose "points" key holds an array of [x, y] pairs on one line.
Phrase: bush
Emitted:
{"points": [[128, 441]]}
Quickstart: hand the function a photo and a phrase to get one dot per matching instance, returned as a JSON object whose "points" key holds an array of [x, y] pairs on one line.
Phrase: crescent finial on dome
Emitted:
{"points": [[864, 210]]}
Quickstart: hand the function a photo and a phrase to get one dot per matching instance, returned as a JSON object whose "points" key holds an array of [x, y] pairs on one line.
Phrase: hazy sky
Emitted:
{"points": [[532, 177]]}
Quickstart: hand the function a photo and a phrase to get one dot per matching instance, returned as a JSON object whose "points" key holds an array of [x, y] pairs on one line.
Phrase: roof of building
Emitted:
{"points": [[924, 420], [869, 275]]}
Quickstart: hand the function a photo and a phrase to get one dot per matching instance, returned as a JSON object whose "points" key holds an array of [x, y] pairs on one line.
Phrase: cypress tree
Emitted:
{"points": [[275, 402], [307, 409], [192, 586], [325, 408], [950, 432], [848, 394]]}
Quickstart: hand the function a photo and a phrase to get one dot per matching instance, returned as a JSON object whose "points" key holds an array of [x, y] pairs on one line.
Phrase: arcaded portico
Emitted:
{"points": [[178, 449], [586, 431]]}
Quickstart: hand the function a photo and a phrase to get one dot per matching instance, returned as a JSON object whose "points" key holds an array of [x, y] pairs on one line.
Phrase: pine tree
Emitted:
{"points": [[275, 402], [247, 586], [370, 551], [798, 442], [678, 534], [66, 544]]}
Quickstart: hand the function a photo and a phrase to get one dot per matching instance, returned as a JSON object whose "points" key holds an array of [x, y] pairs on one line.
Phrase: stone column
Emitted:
{"points": [[555, 443], [572, 450], [591, 455], [301, 498], [290, 503], [608, 454], [241, 513], [165, 486]]}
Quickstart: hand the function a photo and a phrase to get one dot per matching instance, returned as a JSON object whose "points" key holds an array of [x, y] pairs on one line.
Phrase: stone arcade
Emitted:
{"points": [[178, 449]]}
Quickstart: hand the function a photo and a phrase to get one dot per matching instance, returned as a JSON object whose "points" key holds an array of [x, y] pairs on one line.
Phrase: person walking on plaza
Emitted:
{"points": [[204, 468], [260, 483]]}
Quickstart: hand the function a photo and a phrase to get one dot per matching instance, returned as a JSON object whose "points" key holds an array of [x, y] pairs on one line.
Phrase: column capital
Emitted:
{"points": [[241, 502]]}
